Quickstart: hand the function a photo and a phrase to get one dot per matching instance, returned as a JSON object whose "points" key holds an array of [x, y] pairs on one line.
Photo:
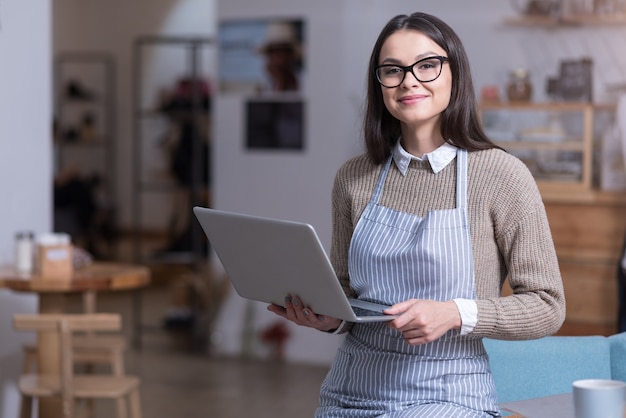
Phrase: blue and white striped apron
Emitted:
{"points": [[395, 256]]}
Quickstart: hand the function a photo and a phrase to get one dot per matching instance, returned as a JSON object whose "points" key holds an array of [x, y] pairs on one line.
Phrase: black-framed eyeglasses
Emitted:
{"points": [[425, 70]]}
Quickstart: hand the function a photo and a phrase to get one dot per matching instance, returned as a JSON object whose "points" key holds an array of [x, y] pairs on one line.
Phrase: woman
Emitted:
{"points": [[431, 220]]}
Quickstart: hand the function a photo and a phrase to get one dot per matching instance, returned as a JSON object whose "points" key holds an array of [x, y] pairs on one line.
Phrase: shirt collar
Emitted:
{"points": [[438, 158]]}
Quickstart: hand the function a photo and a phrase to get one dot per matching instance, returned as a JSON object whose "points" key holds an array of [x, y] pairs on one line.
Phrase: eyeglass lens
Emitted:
{"points": [[424, 70]]}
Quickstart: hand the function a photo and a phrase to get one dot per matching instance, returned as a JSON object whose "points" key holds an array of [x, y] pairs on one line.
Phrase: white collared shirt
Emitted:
{"points": [[439, 159]]}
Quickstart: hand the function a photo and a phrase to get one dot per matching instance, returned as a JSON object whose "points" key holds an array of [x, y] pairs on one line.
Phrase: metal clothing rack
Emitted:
{"points": [[85, 83], [193, 46]]}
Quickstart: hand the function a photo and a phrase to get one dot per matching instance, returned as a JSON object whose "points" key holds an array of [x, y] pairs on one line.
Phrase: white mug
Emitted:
{"points": [[599, 398]]}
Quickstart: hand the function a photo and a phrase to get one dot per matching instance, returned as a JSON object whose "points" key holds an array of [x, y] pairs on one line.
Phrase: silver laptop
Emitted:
{"points": [[268, 259]]}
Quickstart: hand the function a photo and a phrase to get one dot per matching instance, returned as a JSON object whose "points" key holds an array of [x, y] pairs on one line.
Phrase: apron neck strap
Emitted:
{"points": [[461, 179]]}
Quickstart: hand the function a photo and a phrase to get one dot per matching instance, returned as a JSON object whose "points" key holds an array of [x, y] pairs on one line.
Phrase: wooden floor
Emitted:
{"points": [[185, 386]]}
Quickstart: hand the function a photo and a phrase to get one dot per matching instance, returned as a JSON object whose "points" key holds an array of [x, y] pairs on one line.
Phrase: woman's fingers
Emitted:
{"points": [[295, 311]]}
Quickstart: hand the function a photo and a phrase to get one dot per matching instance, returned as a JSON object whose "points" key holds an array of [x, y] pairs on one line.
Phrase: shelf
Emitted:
{"points": [[80, 102], [569, 145], [587, 197], [85, 146], [544, 106], [96, 143], [159, 187], [566, 21], [150, 113], [539, 135], [587, 255]]}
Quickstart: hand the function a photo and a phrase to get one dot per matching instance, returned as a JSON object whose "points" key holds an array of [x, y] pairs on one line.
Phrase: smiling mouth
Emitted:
{"points": [[411, 99]]}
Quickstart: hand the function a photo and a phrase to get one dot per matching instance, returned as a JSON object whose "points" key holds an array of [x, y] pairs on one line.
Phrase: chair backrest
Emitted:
{"points": [[65, 325], [548, 366], [73, 322]]}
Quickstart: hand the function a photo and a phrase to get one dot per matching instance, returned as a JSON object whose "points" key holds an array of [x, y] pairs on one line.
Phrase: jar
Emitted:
{"points": [[519, 88], [24, 251]]}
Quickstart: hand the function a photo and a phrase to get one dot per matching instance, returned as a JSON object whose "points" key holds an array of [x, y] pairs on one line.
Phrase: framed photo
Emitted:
{"points": [[575, 80], [260, 56], [274, 125]]}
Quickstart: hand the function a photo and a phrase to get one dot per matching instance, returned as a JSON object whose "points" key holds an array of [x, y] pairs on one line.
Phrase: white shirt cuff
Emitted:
{"points": [[469, 314], [339, 328]]}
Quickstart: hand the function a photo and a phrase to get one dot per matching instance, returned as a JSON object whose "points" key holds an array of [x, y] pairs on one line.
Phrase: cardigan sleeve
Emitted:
{"points": [[522, 232]]}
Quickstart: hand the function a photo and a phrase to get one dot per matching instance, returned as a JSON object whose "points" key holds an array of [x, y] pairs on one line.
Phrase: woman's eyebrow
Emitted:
{"points": [[391, 60]]}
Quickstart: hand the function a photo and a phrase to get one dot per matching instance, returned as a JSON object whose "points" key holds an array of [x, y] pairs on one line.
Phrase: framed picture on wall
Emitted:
{"points": [[259, 56], [274, 125]]}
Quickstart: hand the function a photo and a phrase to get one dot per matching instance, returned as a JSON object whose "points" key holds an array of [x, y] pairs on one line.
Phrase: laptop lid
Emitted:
{"points": [[268, 259]]}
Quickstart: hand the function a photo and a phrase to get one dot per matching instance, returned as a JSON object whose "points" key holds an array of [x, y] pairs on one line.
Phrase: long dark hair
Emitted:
{"points": [[460, 124]]}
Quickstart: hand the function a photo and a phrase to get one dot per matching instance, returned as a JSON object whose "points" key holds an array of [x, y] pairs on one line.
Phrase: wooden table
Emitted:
{"points": [[88, 281]]}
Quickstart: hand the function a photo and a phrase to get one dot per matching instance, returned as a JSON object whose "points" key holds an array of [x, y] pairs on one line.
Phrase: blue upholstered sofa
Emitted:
{"points": [[549, 365]]}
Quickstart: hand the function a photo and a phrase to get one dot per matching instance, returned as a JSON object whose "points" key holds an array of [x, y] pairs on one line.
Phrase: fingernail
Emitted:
{"points": [[321, 317], [306, 312], [296, 302], [287, 299]]}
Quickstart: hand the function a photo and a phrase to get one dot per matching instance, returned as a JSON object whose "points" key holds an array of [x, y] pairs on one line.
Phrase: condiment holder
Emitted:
{"points": [[53, 258]]}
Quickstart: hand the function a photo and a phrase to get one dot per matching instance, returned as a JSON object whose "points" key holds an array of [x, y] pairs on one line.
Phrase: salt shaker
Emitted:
{"points": [[24, 251]]}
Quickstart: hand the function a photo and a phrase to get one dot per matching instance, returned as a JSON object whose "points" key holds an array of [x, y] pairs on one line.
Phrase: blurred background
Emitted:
{"points": [[120, 116]]}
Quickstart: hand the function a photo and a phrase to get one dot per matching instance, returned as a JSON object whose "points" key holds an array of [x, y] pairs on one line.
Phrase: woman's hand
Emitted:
{"points": [[423, 321], [296, 312]]}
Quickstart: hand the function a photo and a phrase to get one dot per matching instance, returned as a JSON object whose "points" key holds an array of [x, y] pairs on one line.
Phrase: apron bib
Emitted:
{"points": [[395, 256]]}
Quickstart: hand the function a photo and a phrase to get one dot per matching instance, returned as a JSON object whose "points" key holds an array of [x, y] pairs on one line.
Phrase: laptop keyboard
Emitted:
{"points": [[365, 312]]}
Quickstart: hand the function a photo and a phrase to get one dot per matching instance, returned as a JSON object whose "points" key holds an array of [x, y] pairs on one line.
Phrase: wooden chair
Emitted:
{"points": [[69, 386], [89, 350]]}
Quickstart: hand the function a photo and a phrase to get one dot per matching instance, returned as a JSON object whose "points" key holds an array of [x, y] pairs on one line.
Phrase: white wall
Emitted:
{"points": [[25, 163], [289, 185]]}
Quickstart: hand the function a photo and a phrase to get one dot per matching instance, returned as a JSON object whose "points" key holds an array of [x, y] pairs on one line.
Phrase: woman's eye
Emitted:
{"points": [[426, 65]]}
